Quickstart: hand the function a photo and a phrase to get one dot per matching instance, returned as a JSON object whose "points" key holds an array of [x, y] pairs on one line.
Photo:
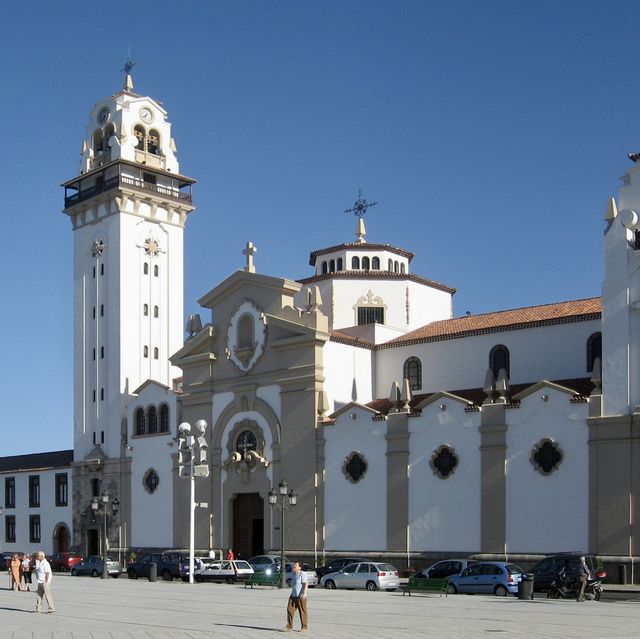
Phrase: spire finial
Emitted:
{"points": [[359, 208], [128, 80]]}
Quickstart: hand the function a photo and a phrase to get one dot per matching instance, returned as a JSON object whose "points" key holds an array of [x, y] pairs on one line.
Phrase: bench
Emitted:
{"points": [[262, 579], [417, 584]]}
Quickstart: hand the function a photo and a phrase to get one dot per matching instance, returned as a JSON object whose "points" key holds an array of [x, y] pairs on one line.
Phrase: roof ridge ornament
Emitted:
{"points": [[128, 80], [359, 208]]}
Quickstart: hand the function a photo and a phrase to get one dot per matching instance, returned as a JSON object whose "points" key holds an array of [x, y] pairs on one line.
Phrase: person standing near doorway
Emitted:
{"points": [[43, 577], [298, 598]]}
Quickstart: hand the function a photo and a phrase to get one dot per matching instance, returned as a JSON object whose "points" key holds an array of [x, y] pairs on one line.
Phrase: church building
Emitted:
{"points": [[404, 432]]}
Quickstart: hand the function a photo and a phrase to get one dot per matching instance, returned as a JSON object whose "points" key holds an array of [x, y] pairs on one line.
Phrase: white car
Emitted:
{"points": [[228, 570], [365, 574]]}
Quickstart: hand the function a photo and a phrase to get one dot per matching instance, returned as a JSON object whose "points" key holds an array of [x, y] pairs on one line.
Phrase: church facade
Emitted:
{"points": [[405, 432]]}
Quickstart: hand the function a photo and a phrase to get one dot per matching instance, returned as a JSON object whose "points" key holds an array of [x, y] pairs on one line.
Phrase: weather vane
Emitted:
{"points": [[360, 206], [129, 64]]}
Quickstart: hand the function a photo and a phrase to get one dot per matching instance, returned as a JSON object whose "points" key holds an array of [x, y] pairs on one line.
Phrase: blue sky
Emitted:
{"points": [[491, 134]]}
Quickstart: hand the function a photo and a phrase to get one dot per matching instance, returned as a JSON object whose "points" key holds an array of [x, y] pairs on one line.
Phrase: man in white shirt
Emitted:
{"points": [[43, 577], [298, 598]]}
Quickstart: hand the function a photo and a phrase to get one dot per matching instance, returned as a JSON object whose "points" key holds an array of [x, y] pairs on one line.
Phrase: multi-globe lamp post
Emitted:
{"points": [[192, 463], [100, 506], [282, 500]]}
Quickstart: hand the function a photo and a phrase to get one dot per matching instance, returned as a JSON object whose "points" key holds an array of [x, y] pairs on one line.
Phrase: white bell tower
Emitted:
{"points": [[128, 207]]}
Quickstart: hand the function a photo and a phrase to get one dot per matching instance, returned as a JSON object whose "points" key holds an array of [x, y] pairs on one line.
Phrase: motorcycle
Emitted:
{"points": [[563, 587]]}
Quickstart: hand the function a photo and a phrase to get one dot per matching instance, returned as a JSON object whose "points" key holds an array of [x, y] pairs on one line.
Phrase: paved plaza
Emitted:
{"points": [[99, 609]]}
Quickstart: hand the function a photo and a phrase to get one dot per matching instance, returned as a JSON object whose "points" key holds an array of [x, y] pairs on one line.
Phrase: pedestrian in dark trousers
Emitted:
{"points": [[583, 576], [298, 598]]}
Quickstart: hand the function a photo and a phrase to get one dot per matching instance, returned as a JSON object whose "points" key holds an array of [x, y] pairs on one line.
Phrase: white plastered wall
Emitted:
{"points": [[343, 364], [355, 514], [444, 514], [547, 513]]}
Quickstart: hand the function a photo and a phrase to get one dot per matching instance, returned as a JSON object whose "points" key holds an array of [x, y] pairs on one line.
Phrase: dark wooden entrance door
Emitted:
{"points": [[248, 525], [62, 539], [93, 544]]}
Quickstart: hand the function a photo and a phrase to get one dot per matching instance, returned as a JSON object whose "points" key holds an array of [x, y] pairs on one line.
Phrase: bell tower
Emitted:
{"points": [[128, 207]]}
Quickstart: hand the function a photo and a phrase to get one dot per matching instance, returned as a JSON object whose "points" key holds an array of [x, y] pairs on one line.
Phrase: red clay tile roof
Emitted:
{"points": [[377, 275], [511, 320], [366, 246], [344, 338]]}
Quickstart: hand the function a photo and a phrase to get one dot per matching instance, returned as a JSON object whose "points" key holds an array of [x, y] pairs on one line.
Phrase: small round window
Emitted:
{"points": [[444, 462], [354, 467], [246, 441], [546, 456]]}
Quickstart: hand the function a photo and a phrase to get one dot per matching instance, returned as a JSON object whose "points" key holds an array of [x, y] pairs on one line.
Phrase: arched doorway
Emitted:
{"points": [[61, 538], [248, 525]]}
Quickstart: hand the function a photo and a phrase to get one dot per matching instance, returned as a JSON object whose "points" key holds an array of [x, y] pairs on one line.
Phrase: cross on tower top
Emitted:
{"points": [[360, 206], [250, 251]]}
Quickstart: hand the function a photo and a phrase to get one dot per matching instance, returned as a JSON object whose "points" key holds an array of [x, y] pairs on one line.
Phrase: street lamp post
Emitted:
{"points": [[283, 499], [192, 463], [100, 506]]}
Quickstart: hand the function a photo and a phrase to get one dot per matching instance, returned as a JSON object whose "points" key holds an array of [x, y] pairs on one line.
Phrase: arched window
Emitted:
{"points": [[146, 351], [324, 268], [390, 266], [339, 265], [156, 270], [375, 263], [109, 132], [145, 268], [164, 418], [499, 359], [402, 267], [98, 142], [146, 310], [140, 422], [332, 266], [155, 311], [396, 266], [594, 350], [155, 353], [413, 372], [365, 263], [245, 331], [141, 134], [355, 262], [152, 418], [153, 142]]}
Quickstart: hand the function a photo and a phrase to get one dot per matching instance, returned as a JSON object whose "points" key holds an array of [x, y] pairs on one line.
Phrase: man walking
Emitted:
{"points": [[298, 598], [43, 577], [583, 576]]}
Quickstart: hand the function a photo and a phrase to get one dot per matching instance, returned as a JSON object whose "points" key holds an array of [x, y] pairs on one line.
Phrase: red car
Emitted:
{"points": [[64, 561]]}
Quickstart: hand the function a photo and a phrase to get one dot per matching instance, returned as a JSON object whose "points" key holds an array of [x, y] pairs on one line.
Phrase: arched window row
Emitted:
{"points": [[148, 141], [362, 263], [332, 266], [152, 420]]}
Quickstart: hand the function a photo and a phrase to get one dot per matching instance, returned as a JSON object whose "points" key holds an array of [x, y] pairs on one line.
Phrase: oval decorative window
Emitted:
{"points": [[444, 461]]}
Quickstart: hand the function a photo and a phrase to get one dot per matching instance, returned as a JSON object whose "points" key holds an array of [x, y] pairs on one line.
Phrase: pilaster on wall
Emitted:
{"points": [[397, 481], [614, 485], [493, 450]]}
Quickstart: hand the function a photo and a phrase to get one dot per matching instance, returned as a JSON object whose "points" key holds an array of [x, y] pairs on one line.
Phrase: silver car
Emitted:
{"points": [[92, 566], [309, 573], [366, 574]]}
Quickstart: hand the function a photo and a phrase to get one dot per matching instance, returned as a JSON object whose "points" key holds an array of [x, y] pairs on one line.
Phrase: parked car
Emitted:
{"points": [[227, 570], [445, 568], [260, 563], [366, 574], [310, 573], [64, 561], [142, 566], [489, 577], [169, 564], [92, 566], [336, 564], [545, 571], [198, 564]]}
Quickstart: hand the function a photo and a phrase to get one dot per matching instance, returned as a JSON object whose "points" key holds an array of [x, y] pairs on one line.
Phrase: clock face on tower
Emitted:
{"points": [[103, 115], [146, 115]]}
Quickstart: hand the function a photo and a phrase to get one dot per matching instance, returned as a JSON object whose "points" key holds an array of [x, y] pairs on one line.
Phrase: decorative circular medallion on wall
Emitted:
{"points": [[246, 336], [354, 467], [150, 480], [151, 246], [97, 247], [444, 461], [546, 456]]}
